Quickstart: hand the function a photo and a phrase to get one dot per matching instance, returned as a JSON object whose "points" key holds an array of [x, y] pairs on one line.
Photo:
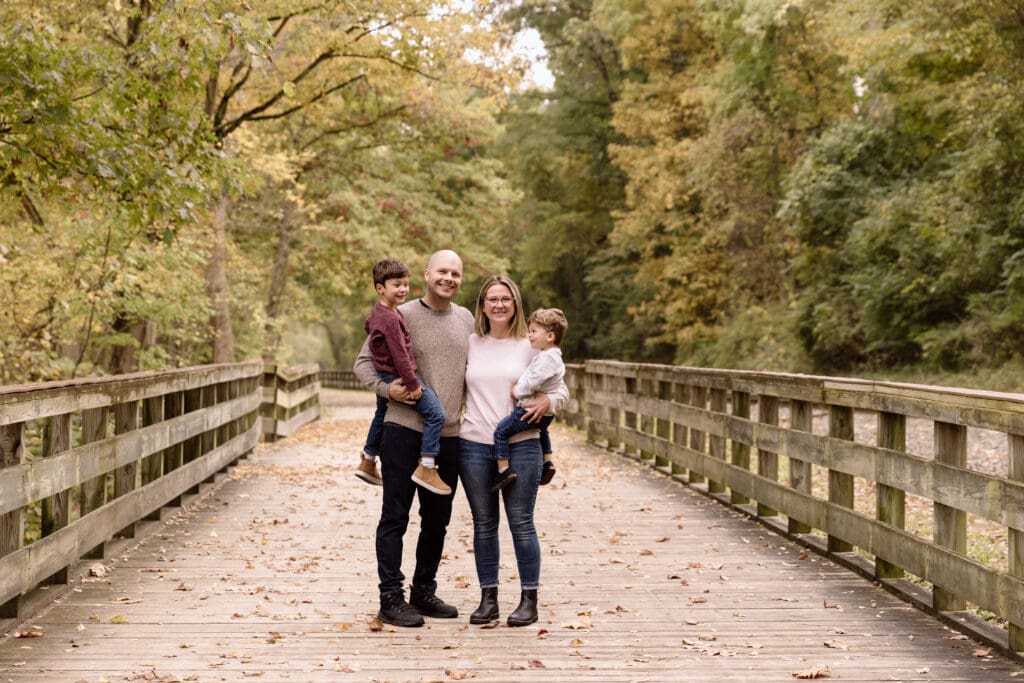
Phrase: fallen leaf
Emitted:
{"points": [[28, 634], [494, 623], [542, 633], [459, 674], [828, 605], [922, 670], [813, 672], [376, 625], [836, 645], [661, 539], [98, 570], [118, 619], [575, 642], [537, 664], [982, 651]]}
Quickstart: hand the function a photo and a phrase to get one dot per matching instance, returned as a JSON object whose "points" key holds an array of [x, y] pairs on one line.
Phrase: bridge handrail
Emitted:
{"points": [[340, 379], [93, 458], [696, 423]]}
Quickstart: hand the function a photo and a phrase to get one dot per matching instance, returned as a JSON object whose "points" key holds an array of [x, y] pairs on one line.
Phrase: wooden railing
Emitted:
{"points": [[291, 398], [85, 463], [340, 379], [699, 426]]}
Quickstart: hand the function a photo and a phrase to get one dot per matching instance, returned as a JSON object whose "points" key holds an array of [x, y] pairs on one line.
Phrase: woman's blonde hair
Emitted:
{"points": [[517, 325]]}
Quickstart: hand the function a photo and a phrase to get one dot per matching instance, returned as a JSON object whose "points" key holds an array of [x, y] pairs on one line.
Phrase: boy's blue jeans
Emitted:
{"points": [[513, 424], [428, 406]]}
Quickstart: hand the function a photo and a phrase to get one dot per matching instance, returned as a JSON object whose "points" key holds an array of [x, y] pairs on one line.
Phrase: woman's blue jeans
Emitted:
{"points": [[477, 469]]}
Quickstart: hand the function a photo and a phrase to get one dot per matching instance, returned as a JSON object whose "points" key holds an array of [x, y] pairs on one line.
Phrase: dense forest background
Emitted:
{"points": [[795, 185]]}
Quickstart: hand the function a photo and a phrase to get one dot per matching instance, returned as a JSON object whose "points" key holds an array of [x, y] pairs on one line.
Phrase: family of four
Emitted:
{"points": [[426, 359]]}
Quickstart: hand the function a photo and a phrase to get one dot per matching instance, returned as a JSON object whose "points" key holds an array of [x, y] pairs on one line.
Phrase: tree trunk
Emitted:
{"points": [[279, 281], [217, 287]]}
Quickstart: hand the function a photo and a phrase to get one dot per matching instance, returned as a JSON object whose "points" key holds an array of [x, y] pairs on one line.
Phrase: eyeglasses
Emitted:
{"points": [[494, 300]]}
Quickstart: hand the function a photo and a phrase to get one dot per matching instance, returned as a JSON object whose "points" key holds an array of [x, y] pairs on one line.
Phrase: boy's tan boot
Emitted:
{"points": [[428, 478], [368, 472]]}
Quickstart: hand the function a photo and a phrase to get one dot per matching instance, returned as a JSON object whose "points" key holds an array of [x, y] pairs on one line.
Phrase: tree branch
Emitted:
{"points": [[344, 129]]}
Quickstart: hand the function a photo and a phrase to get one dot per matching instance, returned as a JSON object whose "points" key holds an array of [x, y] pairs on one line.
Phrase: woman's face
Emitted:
{"points": [[499, 306]]}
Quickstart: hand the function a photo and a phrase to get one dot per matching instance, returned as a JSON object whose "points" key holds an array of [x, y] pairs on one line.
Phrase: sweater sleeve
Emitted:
{"points": [[367, 374], [542, 368], [395, 334]]}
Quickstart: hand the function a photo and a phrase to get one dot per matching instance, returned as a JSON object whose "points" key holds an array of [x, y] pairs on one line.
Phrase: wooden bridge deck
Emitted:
{"points": [[270, 576]]}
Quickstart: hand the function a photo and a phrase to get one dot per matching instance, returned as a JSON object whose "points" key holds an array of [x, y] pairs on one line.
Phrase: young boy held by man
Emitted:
{"points": [[391, 347]]}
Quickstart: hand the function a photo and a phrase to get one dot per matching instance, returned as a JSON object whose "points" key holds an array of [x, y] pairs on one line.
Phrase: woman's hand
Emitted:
{"points": [[536, 407]]}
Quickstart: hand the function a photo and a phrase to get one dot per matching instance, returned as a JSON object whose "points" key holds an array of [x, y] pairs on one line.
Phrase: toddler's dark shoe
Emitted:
{"points": [[503, 479], [547, 473]]}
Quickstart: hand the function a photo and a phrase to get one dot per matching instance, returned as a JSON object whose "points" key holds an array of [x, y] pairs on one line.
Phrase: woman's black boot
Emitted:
{"points": [[488, 609], [526, 613]]}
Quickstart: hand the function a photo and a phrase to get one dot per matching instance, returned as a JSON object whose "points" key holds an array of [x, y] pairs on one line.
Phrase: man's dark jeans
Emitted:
{"points": [[399, 457]]}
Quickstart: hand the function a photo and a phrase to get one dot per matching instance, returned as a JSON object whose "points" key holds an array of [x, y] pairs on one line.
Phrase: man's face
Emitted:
{"points": [[444, 276]]}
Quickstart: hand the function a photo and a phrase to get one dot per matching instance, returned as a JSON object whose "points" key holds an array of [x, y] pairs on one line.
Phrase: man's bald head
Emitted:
{"points": [[444, 277]]}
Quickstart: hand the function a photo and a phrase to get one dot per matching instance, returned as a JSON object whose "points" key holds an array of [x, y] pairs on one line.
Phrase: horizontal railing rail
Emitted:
{"points": [[83, 463], [783, 448], [340, 379]]}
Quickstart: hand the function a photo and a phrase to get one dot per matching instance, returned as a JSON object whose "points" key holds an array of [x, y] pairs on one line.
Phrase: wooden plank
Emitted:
{"points": [[1016, 537], [800, 419], [32, 481], [12, 523], [698, 442], [93, 490], [950, 523], [56, 508], [53, 553], [741, 446], [716, 442], [36, 401], [126, 421], [767, 460], [890, 502], [840, 484]]}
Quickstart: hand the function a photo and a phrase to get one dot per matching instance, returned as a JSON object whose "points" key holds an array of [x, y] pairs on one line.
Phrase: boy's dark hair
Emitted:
{"points": [[552, 320], [388, 269]]}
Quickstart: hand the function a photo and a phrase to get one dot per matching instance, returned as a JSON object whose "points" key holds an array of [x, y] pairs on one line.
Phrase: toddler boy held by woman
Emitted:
{"points": [[391, 348], [546, 328]]}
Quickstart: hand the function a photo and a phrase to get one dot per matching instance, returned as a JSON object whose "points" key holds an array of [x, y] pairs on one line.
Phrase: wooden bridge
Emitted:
{"points": [[180, 549]]}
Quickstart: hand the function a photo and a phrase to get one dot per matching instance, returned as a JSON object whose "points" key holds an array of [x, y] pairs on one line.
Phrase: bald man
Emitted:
{"points": [[440, 332]]}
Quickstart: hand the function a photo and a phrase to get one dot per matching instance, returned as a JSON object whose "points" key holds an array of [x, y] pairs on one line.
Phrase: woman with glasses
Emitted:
{"points": [[499, 352]]}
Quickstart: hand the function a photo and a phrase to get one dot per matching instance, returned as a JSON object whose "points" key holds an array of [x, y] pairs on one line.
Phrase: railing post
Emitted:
{"points": [[664, 428], [152, 465], [740, 451], [93, 493], [950, 523], [56, 508], [1016, 536], [126, 419], [890, 502], [174, 406], [767, 461], [629, 387], [12, 524], [800, 419], [698, 399], [681, 394], [647, 422], [716, 443], [840, 484]]}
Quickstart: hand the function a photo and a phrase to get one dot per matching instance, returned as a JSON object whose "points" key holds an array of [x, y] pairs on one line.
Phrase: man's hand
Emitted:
{"points": [[536, 407], [399, 393]]}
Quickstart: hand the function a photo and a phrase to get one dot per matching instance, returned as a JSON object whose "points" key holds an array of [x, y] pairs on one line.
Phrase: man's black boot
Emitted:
{"points": [[395, 610], [526, 613], [429, 605], [488, 609]]}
